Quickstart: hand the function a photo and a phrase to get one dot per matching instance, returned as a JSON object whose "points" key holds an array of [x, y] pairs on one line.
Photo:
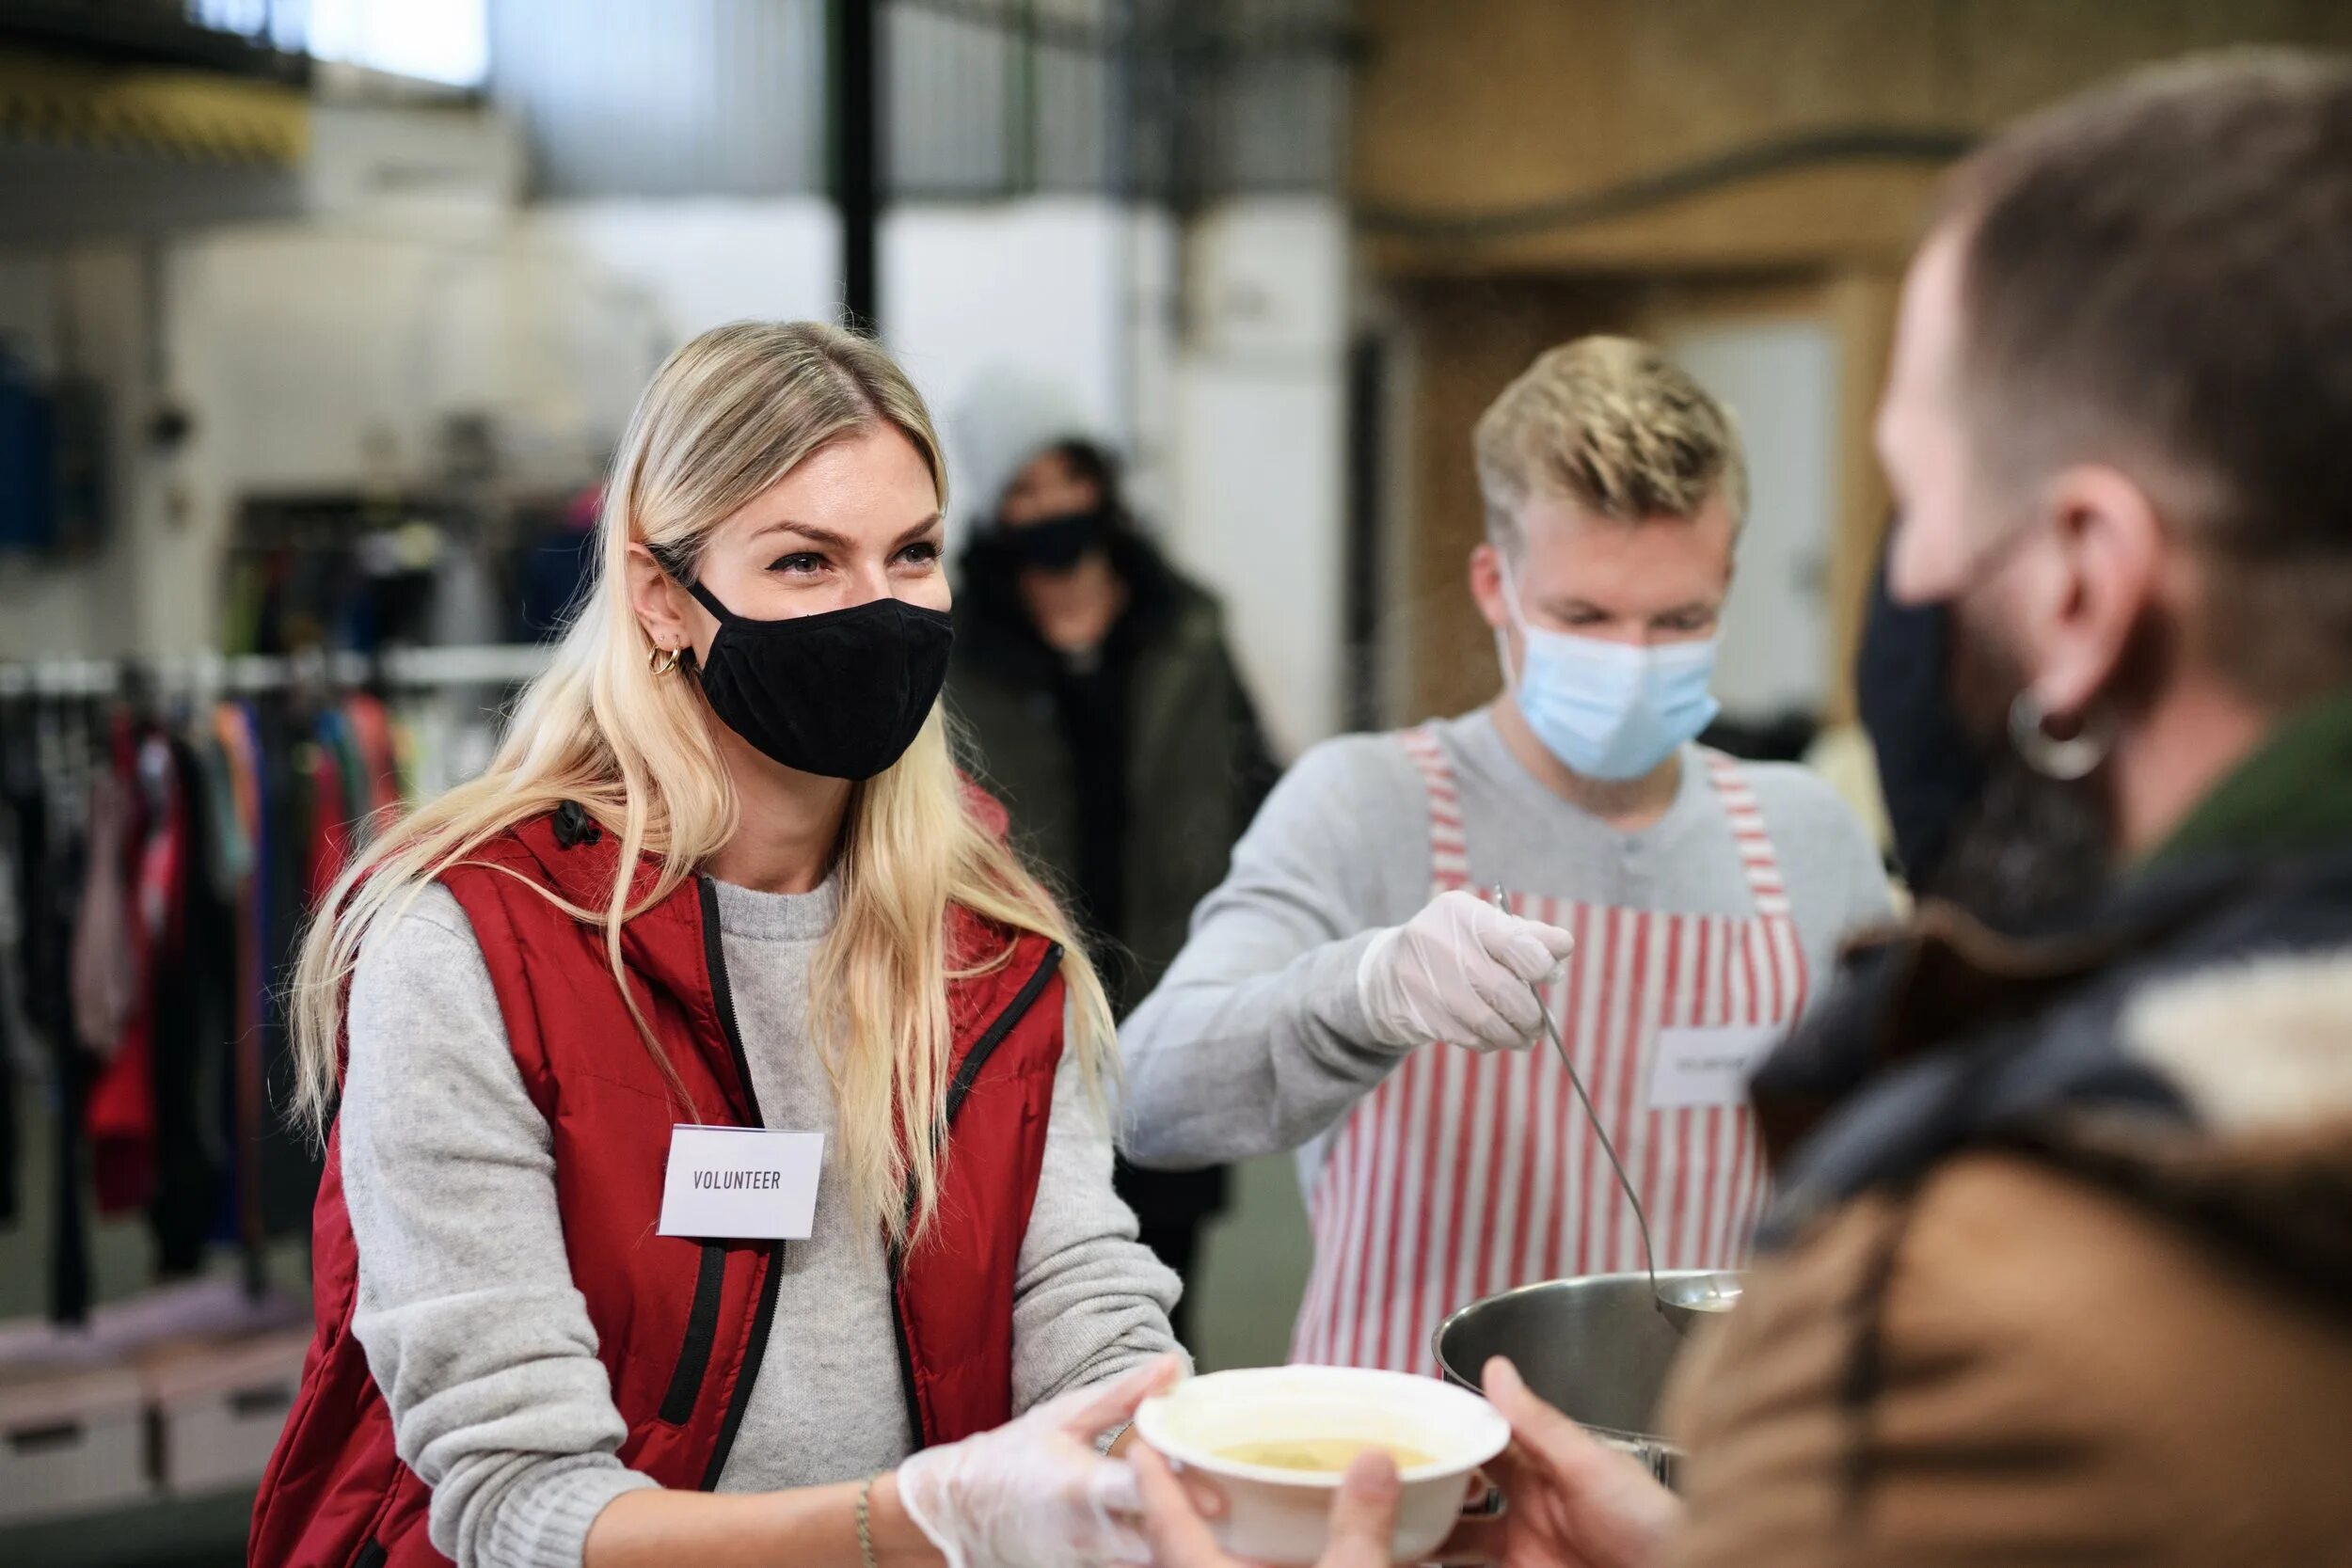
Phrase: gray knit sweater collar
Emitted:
{"points": [[757, 916]]}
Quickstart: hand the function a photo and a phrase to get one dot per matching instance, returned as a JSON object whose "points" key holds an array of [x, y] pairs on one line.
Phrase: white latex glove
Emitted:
{"points": [[1459, 971], [1035, 1493]]}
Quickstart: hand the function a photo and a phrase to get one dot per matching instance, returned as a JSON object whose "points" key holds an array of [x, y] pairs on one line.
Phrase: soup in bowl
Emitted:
{"points": [[1275, 1440]]}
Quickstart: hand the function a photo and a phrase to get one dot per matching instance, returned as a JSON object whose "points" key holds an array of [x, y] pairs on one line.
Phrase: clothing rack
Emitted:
{"points": [[205, 675], [169, 823]]}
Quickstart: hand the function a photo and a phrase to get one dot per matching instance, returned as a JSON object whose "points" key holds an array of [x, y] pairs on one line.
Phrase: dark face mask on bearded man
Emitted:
{"points": [[1977, 822]]}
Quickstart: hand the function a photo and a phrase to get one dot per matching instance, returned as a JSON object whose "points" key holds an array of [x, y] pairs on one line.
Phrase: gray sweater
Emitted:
{"points": [[467, 1310], [1256, 1042]]}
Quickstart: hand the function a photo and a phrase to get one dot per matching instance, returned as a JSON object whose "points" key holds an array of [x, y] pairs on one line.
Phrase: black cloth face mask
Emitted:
{"points": [[842, 693], [1054, 544], [1932, 771], [1974, 824]]}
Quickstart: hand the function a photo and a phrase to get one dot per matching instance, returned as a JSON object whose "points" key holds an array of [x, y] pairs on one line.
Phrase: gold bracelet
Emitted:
{"points": [[865, 1529]]}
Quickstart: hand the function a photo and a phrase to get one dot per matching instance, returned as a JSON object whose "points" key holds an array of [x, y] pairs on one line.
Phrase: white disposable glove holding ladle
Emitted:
{"points": [[1461, 971]]}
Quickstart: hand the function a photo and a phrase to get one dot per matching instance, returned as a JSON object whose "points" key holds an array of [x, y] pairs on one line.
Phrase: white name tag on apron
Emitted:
{"points": [[741, 1183], [1693, 1068]]}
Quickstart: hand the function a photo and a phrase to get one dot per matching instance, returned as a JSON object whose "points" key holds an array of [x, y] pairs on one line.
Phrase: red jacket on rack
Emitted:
{"points": [[681, 1324]]}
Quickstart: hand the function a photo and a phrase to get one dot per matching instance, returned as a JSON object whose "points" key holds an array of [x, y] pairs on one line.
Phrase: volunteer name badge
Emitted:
{"points": [[741, 1183], [1695, 1069]]}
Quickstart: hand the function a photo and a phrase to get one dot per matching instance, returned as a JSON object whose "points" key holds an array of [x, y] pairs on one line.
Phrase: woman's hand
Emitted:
{"points": [[1036, 1493], [1363, 1517], [1573, 1502]]}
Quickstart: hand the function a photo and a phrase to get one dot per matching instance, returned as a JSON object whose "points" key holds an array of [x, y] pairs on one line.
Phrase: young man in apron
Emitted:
{"points": [[1351, 993]]}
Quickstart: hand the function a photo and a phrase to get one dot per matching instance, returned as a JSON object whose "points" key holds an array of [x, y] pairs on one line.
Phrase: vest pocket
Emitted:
{"points": [[702, 1328]]}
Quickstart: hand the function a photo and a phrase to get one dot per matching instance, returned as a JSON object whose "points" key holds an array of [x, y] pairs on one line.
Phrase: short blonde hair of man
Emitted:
{"points": [[1613, 426]]}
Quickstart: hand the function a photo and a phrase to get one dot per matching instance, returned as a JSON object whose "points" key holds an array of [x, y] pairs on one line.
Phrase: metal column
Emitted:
{"points": [[858, 103]]}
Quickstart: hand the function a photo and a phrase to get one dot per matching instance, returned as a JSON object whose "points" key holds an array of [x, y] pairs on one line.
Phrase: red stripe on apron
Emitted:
{"points": [[1583, 997], [1380, 1283], [1469, 1195], [1655, 1131], [1677, 1220], [1626, 1053]]}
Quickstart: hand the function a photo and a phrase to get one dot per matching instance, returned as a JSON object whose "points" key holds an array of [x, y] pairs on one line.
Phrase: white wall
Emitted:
{"points": [[1260, 447], [706, 260], [1780, 380], [1058, 302], [387, 159]]}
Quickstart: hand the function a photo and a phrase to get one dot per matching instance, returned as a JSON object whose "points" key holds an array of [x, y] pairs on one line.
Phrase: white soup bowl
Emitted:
{"points": [[1282, 1517]]}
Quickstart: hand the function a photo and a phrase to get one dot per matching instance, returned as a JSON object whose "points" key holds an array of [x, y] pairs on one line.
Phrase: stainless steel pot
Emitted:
{"points": [[1598, 1348]]}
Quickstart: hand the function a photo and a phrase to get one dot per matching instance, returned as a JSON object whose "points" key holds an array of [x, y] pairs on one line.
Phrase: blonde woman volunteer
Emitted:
{"points": [[722, 877]]}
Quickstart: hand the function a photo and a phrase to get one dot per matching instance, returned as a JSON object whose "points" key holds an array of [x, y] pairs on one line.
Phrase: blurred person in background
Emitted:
{"points": [[1096, 684], [722, 870], [2060, 1271], [1352, 990]]}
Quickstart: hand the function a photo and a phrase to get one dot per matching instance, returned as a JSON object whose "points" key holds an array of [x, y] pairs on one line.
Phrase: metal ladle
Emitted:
{"points": [[1679, 1301]]}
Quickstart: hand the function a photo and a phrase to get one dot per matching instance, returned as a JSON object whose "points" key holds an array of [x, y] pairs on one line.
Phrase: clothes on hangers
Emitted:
{"points": [[370, 725], [194, 1008], [43, 764], [16, 1045], [123, 1104], [106, 970], [328, 844], [241, 759], [159, 864]]}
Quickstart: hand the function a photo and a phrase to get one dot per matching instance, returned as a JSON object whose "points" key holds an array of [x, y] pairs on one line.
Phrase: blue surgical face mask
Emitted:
{"points": [[1611, 710]]}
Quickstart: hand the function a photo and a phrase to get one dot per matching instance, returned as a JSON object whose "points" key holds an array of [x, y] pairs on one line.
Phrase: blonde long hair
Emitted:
{"points": [[729, 415]]}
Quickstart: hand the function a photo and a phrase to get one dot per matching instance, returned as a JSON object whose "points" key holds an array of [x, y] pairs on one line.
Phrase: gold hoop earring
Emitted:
{"points": [[662, 660]]}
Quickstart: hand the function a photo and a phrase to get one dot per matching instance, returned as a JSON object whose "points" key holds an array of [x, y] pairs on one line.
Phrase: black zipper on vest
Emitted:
{"points": [[702, 1328], [1018, 1009], [764, 1317], [967, 1073], [715, 958]]}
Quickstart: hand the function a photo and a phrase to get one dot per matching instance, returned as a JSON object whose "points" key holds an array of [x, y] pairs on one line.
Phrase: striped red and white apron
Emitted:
{"points": [[1466, 1173]]}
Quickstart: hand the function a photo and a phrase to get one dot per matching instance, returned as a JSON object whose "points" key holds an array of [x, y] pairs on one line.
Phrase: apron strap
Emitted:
{"points": [[1748, 833], [1449, 847]]}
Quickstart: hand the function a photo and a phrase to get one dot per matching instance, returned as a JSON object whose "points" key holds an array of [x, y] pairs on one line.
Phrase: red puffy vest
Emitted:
{"points": [[681, 1324]]}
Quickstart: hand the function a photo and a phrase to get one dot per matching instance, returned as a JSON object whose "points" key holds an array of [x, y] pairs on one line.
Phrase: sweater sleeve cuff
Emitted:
{"points": [[1336, 998], [545, 1524]]}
